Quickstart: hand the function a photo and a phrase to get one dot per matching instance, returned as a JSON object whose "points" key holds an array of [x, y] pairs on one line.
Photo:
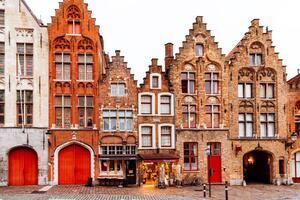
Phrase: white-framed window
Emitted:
{"points": [[246, 124], [117, 120], [85, 66], [155, 81], [199, 50], [146, 103], [63, 111], [189, 116], [166, 136], [111, 167], [267, 125], [188, 82], [147, 136], [245, 90], [85, 111], [62, 66], [255, 59], [212, 116], [267, 90], [74, 27], [25, 59], [165, 103], [117, 89], [117, 149]]}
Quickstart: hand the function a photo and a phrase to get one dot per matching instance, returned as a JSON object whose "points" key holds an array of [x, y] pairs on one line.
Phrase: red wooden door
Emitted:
{"points": [[215, 162], [23, 167], [73, 165]]}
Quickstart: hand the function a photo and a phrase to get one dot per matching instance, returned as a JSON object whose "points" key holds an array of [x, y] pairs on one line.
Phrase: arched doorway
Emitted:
{"points": [[74, 165], [22, 167], [257, 167]]}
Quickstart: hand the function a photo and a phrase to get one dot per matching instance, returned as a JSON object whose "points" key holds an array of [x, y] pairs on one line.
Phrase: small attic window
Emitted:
{"points": [[74, 27], [255, 59], [199, 50], [155, 81]]}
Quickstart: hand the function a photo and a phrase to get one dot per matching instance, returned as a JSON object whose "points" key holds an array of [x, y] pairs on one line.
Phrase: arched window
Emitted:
{"points": [[73, 15], [256, 54]]}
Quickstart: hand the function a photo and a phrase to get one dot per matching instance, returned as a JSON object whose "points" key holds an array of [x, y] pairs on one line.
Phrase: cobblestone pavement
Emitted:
{"points": [[251, 192]]}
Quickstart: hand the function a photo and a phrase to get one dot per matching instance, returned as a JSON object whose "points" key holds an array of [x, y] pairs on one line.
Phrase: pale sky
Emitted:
{"points": [[140, 28]]}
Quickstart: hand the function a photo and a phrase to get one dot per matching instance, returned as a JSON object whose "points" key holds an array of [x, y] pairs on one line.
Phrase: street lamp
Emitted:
{"points": [[208, 153], [288, 143]]}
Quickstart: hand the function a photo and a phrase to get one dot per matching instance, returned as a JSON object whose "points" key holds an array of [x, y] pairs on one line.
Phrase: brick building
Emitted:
{"points": [[156, 124], [199, 78], [118, 123], [258, 109], [23, 96], [294, 125], [75, 68]]}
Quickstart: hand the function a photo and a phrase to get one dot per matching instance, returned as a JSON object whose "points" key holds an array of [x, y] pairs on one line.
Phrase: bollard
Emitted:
{"points": [[204, 190], [226, 190]]}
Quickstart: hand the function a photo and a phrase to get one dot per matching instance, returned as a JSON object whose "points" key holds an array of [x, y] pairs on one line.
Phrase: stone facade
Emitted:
{"points": [[201, 111], [258, 92], [75, 68], [21, 28]]}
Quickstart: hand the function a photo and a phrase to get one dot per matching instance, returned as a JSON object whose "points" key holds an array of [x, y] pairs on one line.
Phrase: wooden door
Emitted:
{"points": [[23, 167], [215, 162], [73, 165]]}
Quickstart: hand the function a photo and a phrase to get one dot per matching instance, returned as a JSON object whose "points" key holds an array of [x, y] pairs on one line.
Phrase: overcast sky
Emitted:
{"points": [[140, 28]]}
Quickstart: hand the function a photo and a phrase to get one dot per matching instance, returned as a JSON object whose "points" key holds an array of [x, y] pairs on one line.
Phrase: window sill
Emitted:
{"points": [[191, 171], [57, 80], [117, 131], [145, 148], [86, 81]]}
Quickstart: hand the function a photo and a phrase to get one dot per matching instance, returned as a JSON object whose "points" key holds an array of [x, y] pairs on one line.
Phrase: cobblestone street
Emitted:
{"points": [[251, 192]]}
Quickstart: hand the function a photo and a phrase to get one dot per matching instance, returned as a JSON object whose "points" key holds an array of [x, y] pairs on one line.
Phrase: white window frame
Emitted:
{"points": [[172, 136], [62, 66], [152, 103], [153, 136], [117, 120], [118, 91], [85, 63], [159, 81], [171, 103], [85, 111], [244, 84], [74, 21]]}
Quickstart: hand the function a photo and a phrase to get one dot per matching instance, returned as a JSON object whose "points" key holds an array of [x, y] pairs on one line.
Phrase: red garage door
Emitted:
{"points": [[23, 167], [74, 165]]}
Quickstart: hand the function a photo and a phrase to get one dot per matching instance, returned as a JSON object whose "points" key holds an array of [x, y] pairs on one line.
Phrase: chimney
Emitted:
{"points": [[154, 62], [168, 55]]}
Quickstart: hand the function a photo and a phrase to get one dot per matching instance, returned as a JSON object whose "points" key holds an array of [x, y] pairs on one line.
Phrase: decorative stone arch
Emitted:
{"points": [[246, 106], [21, 146], [256, 47], [189, 100], [266, 74], [188, 67], [213, 101], [246, 74], [62, 146], [85, 44], [61, 44], [267, 106], [213, 67], [131, 139], [73, 12]]}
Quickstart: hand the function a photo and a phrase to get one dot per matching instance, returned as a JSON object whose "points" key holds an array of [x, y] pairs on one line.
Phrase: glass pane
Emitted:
{"points": [[165, 109], [191, 76], [184, 86], [166, 140], [185, 121], [215, 87], [241, 117], [270, 91], [241, 130], [128, 113], [59, 71], [166, 130], [29, 48], [89, 58], [263, 129], [248, 90], [58, 113], [249, 127], [263, 90], [184, 75], [67, 101], [122, 124], [155, 81], [271, 129], [81, 101], [67, 58], [20, 48], [208, 120], [258, 59], [147, 130], [194, 163], [29, 96], [67, 117], [113, 123], [81, 58], [252, 59], [66, 71], [106, 124], [114, 89], [58, 57], [216, 120], [191, 87], [89, 72], [186, 163], [81, 75], [121, 89], [199, 50], [192, 120], [129, 124], [146, 140], [249, 117], [89, 101], [241, 90]]}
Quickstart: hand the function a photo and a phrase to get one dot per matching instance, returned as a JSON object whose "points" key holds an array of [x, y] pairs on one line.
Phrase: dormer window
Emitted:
{"points": [[74, 27], [199, 50], [255, 59], [155, 82]]}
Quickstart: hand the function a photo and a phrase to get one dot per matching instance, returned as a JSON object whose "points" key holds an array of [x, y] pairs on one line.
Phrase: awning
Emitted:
{"points": [[118, 157], [154, 157]]}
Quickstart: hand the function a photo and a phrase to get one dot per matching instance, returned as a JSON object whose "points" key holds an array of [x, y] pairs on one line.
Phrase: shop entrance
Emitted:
{"points": [[257, 167], [153, 172]]}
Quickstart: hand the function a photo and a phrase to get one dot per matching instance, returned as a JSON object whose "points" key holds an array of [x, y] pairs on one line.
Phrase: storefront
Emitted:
{"points": [[158, 169], [118, 170]]}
